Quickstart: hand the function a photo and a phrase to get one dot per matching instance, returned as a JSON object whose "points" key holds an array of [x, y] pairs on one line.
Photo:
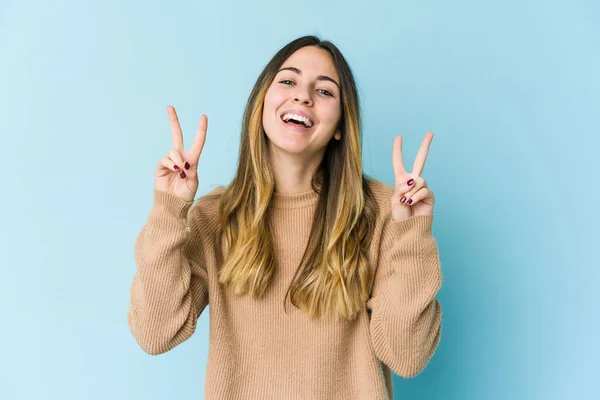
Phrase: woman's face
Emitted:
{"points": [[307, 85]]}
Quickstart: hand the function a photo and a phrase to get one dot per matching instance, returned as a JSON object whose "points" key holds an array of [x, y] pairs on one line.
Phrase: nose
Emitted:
{"points": [[303, 96]]}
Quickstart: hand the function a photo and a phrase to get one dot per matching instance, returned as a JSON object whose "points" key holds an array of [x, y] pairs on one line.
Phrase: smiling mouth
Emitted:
{"points": [[293, 121], [297, 119], [296, 125]]}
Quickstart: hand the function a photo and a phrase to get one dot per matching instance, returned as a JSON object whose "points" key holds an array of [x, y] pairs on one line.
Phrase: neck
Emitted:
{"points": [[293, 172]]}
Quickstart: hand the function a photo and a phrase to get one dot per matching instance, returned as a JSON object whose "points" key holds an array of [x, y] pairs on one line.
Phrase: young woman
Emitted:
{"points": [[320, 280]]}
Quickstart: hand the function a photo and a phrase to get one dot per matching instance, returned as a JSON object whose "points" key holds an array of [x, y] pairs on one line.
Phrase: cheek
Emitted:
{"points": [[331, 113], [270, 106], [272, 98]]}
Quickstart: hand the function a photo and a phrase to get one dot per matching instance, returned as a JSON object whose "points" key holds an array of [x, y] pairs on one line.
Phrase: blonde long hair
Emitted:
{"points": [[333, 278]]}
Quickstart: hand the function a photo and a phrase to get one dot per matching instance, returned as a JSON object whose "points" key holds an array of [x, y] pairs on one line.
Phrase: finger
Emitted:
{"points": [[419, 185], [405, 191], [397, 162], [200, 138], [176, 156], [409, 190], [168, 164], [175, 128], [422, 194], [421, 157]]}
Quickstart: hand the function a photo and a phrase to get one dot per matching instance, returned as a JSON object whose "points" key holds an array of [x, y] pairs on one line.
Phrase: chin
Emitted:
{"points": [[288, 144], [287, 139]]}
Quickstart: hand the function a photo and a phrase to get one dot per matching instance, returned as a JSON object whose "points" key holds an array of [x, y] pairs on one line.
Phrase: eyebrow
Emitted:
{"points": [[319, 78]]}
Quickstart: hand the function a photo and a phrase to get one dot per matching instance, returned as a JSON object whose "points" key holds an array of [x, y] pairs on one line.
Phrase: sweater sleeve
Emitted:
{"points": [[406, 317], [170, 288]]}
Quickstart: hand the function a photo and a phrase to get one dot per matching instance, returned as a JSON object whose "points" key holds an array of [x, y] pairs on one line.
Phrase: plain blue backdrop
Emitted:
{"points": [[511, 91]]}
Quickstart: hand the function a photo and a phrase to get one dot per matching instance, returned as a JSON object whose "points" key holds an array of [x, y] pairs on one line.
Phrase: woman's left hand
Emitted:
{"points": [[411, 197]]}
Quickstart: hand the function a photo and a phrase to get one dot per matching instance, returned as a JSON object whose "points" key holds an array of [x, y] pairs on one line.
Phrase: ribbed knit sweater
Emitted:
{"points": [[256, 349]]}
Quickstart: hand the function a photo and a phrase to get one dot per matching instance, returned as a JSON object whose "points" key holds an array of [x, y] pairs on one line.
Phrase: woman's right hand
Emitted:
{"points": [[177, 172]]}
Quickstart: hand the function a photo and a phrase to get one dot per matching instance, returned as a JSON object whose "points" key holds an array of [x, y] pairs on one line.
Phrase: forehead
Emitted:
{"points": [[312, 61]]}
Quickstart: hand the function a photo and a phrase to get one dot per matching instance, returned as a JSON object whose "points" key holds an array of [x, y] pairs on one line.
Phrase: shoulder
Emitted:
{"points": [[380, 189], [210, 198], [205, 210], [382, 195]]}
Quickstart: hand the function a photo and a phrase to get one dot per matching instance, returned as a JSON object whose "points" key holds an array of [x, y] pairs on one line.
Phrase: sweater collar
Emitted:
{"points": [[294, 200]]}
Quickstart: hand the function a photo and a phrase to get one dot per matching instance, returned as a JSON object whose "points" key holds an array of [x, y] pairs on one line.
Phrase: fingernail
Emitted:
{"points": [[410, 182], [403, 199], [186, 165], [176, 167], [182, 174], [410, 201]]}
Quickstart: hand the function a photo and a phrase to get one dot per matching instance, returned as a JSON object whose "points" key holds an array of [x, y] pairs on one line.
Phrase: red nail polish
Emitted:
{"points": [[182, 174], [410, 182], [176, 167], [410, 201], [187, 165], [403, 199]]}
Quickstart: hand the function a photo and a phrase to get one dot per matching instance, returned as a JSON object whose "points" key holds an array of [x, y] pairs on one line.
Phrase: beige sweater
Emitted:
{"points": [[256, 350]]}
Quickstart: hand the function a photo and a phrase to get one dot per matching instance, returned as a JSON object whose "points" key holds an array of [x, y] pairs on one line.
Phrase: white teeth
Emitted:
{"points": [[307, 122]]}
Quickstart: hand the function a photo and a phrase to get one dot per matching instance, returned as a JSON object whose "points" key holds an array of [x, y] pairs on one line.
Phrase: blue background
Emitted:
{"points": [[511, 91]]}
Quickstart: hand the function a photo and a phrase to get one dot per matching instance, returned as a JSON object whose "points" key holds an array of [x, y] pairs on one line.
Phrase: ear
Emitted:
{"points": [[337, 135]]}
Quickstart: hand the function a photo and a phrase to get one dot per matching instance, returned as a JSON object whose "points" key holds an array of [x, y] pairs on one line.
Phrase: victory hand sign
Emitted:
{"points": [[411, 197], [177, 173]]}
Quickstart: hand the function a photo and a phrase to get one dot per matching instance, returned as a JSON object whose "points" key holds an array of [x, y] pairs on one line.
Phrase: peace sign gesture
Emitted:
{"points": [[177, 172], [411, 197]]}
